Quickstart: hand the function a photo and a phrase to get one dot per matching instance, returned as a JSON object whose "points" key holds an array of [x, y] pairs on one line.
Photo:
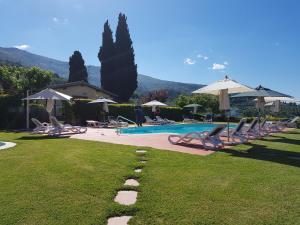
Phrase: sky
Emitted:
{"points": [[195, 41]]}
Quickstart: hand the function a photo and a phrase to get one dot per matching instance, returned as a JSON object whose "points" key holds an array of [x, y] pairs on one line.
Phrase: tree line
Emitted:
{"points": [[118, 71]]}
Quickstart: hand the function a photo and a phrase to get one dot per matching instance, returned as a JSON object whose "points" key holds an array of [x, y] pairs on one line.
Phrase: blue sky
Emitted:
{"points": [[197, 41]]}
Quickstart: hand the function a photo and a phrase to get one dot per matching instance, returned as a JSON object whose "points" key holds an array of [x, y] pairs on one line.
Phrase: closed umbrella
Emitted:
{"points": [[154, 104], [261, 92], [223, 88]]}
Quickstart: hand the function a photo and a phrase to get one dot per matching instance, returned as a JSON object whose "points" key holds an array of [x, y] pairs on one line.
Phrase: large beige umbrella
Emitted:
{"points": [[154, 104], [223, 88]]}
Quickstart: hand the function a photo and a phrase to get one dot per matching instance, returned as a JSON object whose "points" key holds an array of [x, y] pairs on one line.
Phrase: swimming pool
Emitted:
{"points": [[5, 145], [175, 129]]}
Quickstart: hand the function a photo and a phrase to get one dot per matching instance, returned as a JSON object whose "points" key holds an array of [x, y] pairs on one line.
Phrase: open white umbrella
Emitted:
{"points": [[104, 101], [223, 88], [50, 96], [154, 104]]}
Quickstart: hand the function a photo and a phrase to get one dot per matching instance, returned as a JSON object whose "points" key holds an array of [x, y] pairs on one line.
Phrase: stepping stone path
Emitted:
{"points": [[141, 151], [138, 170], [132, 182], [127, 197], [122, 220]]}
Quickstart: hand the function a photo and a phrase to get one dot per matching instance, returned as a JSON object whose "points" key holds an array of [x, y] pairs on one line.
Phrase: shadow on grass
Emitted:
{"points": [[26, 138], [281, 139], [262, 152]]}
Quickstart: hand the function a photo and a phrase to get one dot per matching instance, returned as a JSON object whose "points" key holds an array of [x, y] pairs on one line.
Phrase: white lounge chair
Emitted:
{"points": [[115, 123], [251, 132], [40, 127], [292, 123], [57, 128], [236, 135], [152, 122], [159, 119], [208, 140]]}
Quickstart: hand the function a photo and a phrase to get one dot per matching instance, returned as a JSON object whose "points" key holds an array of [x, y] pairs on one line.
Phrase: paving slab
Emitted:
{"points": [[126, 197], [132, 182], [121, 220]]}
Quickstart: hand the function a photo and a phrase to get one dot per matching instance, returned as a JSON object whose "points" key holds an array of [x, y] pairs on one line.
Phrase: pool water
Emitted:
{"points": [[174, 129]]}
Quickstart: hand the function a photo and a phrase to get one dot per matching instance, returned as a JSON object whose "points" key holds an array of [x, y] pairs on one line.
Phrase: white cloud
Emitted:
{"points": [[22, 47], [217, 66], [60, 21], [202, 56], [225, 63], [55, 20], [189, 61]]}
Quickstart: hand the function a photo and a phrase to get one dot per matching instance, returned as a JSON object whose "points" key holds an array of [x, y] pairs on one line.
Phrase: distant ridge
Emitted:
{"points": [[145, 83]]}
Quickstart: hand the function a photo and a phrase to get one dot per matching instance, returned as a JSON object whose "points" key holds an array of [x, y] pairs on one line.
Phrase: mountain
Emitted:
{"points": [[145, 83]]}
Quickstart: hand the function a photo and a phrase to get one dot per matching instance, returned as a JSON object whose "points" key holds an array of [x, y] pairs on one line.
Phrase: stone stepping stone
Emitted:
{"points": [[121, 220], [141, 151], [138, 170], [132, 182], [143, 161], [126, 197]]}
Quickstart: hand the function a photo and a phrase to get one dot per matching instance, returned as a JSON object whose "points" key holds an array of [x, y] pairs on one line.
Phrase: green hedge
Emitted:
{"points": [[84, 111]]}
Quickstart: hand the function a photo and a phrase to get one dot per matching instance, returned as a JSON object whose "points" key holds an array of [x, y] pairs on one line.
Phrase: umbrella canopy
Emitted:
{"points": [[102, 100], [194, 106], [105, 102], [154, 104], [281, 99], [261, 91], [227, 83], [48, 94]]}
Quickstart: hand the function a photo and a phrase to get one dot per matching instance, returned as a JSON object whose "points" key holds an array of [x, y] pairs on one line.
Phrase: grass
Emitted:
{"points": [[67, 181]]}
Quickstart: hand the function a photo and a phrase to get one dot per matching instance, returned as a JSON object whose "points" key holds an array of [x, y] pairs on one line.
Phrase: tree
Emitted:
{"points": [[17, 80], [77, 69], [106, 57], [125, 68], [159, 95]]}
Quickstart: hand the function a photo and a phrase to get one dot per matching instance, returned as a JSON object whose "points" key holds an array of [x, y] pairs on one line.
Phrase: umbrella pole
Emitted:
{"points": [[27, 111], [227, 114]]}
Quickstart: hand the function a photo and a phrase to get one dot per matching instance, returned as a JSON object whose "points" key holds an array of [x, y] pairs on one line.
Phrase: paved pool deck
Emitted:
{"points": [[158, 141]]}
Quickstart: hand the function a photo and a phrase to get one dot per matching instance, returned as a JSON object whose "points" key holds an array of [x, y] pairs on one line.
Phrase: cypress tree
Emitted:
{"points": [[106, 57], [77, 69], [125, 68]]}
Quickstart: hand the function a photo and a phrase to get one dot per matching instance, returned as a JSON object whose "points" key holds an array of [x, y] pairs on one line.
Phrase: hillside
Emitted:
{"points": [[145, 83]]}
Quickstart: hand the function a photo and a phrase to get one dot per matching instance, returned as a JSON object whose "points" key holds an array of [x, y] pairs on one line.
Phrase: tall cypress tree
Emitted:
{"points": [[106, 57], [77, 69], [125, 68]]}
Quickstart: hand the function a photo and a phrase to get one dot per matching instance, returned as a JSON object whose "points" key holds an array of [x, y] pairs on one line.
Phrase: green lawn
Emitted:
{"points": [[67, 181]]}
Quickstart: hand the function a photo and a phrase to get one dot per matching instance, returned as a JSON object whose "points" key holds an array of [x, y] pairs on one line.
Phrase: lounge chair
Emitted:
{"points": [[96, 124], [208, 140], [58, 128], [236, 134], [159, 119], [251, 132], [292, 123], [116, 123], [153, 122], [40, 127], [189, 120]]}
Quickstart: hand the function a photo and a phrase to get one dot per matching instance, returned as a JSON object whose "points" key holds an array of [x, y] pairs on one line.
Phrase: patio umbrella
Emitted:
{"points": [[154, 104], [223, 88], [105, 103], [281, 99], [50, 96], [194, 106], [261, 92]]}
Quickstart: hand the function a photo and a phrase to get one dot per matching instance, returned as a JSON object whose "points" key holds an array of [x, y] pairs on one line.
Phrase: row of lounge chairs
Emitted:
{"points": [[158, 121], [241, 134], [111, 123], [56, 128]]}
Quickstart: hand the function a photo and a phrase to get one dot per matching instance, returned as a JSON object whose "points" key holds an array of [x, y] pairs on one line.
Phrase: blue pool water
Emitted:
{"points": [[175, 129]]}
